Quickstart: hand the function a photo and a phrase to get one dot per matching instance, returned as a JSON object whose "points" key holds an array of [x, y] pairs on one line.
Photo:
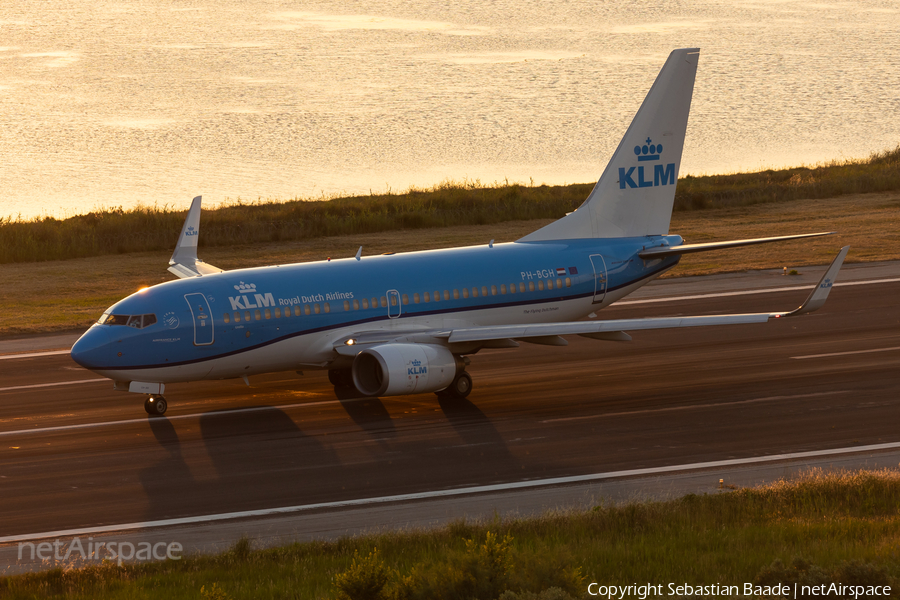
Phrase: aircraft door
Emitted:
{"points": [[203, 321], [599, 277], [393, 297]]}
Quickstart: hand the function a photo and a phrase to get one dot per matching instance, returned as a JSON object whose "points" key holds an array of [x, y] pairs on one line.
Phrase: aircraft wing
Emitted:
{"points": [[504, 336], [547, 333], [184, 262]]}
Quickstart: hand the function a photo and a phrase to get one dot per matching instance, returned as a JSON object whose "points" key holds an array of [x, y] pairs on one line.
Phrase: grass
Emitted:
{"points": [[468, 203], [70, 294], [826, 527]]}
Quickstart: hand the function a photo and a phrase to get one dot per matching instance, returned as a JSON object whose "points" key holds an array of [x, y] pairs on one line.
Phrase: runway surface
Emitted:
{"points": [[78, 455]]}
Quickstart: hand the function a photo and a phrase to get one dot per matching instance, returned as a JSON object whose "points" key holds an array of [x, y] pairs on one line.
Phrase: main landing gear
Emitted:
{"points": [[459, 388], [155, 405]]}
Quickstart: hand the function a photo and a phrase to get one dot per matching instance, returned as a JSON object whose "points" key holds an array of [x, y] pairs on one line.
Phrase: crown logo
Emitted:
{"points": [[648, 151], [191, 231], [246, 288]]}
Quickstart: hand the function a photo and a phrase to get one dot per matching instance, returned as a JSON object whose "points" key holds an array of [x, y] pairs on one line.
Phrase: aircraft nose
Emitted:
{"points": [[90, 349]]}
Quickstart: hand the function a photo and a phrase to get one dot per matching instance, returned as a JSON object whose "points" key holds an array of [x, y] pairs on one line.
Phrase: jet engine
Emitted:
{"points": [[400, 369]]}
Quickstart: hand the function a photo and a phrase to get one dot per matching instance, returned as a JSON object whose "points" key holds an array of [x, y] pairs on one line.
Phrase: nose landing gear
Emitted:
{"points": [[155, 405]]}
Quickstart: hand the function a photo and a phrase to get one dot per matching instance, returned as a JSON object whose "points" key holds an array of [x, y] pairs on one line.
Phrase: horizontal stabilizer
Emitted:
{"points": [[184, 262], [663, 251]]}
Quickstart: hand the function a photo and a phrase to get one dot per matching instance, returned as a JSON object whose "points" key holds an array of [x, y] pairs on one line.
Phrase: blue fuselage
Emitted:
{"points": [[264, 319]]}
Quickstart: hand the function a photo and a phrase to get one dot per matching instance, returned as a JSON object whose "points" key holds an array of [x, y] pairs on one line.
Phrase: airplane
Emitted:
{"points": [[408, 323]]}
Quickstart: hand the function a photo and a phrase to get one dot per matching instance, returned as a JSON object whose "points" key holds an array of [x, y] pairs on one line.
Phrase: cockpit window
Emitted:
{"points": [[114, 320], [135, 321]]}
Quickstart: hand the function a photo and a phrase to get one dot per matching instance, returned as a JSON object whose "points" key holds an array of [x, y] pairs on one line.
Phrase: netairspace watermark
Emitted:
{"points": [[650, 590], [119, 552]]}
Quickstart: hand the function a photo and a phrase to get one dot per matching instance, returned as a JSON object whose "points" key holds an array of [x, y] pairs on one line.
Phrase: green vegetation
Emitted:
{"points": [[824, 527], [115, 231]]}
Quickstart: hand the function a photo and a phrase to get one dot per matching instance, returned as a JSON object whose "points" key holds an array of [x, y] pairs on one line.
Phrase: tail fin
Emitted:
{"points": [[635, 194]]}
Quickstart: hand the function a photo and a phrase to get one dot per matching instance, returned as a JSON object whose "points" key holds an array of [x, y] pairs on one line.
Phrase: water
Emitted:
{"points": [[116, 103]]}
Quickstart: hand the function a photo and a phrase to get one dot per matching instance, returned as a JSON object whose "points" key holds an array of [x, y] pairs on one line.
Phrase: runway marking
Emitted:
{"points": [[480, 489], [34, 354], [173, 418], [694, 406], [845, 353], [749, 292], [43, 385]]}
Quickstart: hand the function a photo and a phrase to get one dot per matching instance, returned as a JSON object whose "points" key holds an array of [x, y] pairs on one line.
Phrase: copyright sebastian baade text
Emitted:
{"points": [[680, 590]]}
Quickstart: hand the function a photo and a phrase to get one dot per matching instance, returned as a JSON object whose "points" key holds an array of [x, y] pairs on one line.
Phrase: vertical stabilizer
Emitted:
{"points": [[635, 194]]}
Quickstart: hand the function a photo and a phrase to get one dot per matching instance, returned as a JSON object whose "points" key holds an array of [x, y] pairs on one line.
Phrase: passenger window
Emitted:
{"points": [[522, 286], [306, 310], [568, 282], [227, 318], [558, 283], [493, 290], [268, 314], [346, 305], [356, 305], [246, 315], [277, 313], [149, 320], [465, 292], [374, 302], [317, 309], [393, 300], [237, 317], [383, 302], [446, 295], [416, 298], [474, 292], [484, 290], [541, 285], [427, 297], [296, 310], [512, 288], [456, 294], [405, 299], [365, 303], [326, 307], [257, 314], [502, 288], [530, 286]]}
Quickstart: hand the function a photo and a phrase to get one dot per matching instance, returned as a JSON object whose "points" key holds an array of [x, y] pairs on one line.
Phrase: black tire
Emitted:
{"points": [[340, 377], [156, 406], [459, 388]]}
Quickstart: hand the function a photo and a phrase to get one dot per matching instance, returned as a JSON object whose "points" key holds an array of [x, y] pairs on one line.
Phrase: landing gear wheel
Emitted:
{"points": [[156, 405], [340, 377], [460, 388]]}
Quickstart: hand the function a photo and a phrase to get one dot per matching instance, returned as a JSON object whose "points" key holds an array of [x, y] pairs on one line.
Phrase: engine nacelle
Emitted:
{"points": [[400, 369]]}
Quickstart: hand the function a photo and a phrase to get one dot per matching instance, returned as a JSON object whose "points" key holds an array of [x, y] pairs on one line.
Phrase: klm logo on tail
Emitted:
{"points": [[662, 174]]}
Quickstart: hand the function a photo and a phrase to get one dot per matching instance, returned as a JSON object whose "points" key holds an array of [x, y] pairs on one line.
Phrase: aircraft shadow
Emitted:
{"points": [[240, 461], [476, 429], [370, 414]]}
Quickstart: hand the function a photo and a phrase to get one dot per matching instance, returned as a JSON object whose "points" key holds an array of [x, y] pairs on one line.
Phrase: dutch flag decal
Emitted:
{"points": [[560, 272]]}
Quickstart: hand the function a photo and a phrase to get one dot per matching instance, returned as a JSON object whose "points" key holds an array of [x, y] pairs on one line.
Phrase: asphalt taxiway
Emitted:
{"points": [[545, 427]]}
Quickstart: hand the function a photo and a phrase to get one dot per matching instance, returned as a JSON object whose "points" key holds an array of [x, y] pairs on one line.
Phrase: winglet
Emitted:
{"points": [[818, 296], [184, 262]]}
